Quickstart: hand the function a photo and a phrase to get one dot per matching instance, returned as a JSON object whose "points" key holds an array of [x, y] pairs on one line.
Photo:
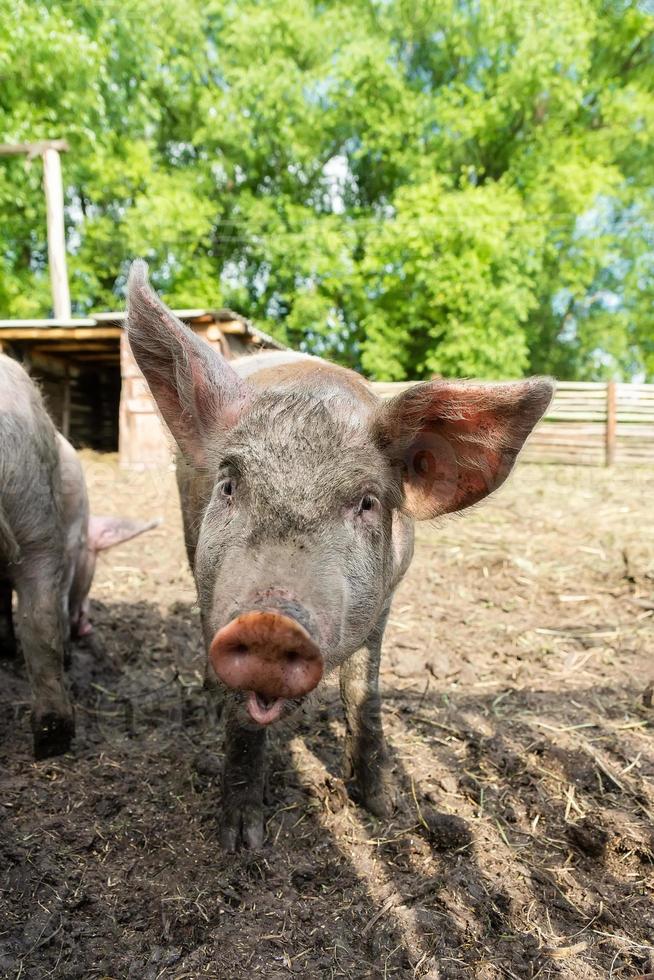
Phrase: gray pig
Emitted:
{"points": [[48, 549], [299, 490]]}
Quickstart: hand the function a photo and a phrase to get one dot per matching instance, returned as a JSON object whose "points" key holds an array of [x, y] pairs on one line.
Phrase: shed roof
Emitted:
{"points": [[109, 325]]}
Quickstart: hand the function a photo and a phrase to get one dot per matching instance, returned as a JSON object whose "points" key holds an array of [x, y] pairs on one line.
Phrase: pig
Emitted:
{"points": [[48, 549], [299, 490]]}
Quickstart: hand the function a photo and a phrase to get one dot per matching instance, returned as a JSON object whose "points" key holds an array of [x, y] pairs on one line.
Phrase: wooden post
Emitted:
{"points": [[54, 199], [611, 423], [49, 150]]}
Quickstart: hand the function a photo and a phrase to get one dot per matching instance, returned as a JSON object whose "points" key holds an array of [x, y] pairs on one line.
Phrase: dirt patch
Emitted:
{"points": [[517, 664]]}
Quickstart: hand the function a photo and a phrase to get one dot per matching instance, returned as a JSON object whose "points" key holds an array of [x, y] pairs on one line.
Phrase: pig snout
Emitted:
{"points": [[270, 657]]}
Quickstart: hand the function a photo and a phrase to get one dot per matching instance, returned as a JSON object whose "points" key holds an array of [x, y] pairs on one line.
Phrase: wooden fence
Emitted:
{"points": [[591, 423]]}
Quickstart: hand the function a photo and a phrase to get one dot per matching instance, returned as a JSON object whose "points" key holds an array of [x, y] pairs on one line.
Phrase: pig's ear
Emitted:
{"points": [[195, 388], [456, 442], [105, 532]]}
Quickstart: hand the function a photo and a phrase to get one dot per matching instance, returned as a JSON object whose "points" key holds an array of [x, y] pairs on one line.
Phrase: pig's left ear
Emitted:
{"points": [[456, 442], [196, 390], [105, 532]]}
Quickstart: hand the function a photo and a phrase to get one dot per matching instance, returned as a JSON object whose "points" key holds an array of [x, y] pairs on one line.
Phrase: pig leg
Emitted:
{"points": [[243, 784], [366, 758], [7, 637], [42, 627]]}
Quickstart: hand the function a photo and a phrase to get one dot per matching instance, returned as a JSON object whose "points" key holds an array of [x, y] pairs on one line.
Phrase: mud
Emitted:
{"points": [[515, 687]]}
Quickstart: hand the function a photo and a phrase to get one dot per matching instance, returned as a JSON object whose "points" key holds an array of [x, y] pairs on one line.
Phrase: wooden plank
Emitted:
{"points": [[577, 416], [60, 333], [563, 410], [647, 388], [140, 406], [562, 452], [644, 437], [636, 417], [633, 405], [205, 318], [580, 385], [571, 447], [583, 400], [89, 346], [596, 392], [643, 425], [563, 457], [558, 460], [119, 316], [564, 404], [551, 423], [573, 398], [645, 458], [576, 429], [33, 149], [549, 438], [636, 398], [46, 324], [578, 398], [98, 358], [578, 413]]}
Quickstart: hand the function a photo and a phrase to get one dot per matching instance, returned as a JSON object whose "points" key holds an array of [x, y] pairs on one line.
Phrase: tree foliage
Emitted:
{"points": [[414, 188]]}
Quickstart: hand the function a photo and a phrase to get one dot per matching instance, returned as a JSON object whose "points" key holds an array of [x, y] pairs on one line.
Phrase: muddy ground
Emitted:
{"points": [[518, 705]]}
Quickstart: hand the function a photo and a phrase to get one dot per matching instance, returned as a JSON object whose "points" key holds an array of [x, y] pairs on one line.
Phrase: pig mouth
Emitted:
{"points": [[263, 710]]}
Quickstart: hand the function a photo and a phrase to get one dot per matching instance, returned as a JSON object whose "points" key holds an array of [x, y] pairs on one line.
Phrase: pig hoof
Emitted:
{"points": [[381, 805], [376, 795], [242, 828], [52, 734]]}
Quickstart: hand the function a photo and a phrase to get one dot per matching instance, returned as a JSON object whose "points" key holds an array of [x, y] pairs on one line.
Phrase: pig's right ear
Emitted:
{"points": [[454, 442], [197, 392]]}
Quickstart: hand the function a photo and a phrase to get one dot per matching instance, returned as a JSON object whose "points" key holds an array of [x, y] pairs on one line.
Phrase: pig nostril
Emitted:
{"points": [[292, 656], [240, 648]]}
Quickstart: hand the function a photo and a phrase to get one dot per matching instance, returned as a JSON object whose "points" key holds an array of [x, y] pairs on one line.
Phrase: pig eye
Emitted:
{"points": [[227, 488], [367, 504]]}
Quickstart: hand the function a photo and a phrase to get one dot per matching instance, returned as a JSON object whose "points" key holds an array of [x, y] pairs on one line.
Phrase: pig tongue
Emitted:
{"points": [[263, 710]]}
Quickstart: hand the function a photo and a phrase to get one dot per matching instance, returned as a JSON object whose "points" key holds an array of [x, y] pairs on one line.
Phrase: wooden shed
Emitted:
{"points": [[95, 392]]}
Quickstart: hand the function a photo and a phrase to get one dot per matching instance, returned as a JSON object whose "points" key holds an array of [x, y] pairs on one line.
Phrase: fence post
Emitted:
{"points": [[611, 423], [54, 199]]}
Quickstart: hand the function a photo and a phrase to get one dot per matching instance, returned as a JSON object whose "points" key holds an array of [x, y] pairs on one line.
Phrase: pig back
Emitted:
{"points": [[30, 485]]}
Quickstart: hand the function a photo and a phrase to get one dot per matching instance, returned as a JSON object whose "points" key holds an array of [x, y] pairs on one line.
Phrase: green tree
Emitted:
{"points": [[412, 188]]}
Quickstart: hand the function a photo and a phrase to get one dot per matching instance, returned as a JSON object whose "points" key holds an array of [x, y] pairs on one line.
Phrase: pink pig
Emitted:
{"points": [[48, 549], [299, 491]]}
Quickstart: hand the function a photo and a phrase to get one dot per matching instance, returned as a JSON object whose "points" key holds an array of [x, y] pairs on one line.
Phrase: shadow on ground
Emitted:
{"points": [[521, 846]]}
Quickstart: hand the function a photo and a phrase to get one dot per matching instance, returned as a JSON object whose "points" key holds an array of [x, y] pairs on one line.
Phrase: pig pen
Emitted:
{"points": [[517, 693]]}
